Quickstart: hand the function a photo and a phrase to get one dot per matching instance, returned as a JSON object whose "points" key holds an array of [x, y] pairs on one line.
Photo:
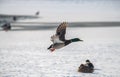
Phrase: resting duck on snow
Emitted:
{"points": [[59, 40], [86, 68]]}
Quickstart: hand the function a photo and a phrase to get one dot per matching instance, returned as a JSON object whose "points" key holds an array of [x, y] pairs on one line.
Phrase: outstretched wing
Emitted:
{"points": [[61, 31], [55, 39]]}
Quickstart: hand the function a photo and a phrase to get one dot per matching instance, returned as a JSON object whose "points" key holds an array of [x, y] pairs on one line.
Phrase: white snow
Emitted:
{"points": [[25, 54]]}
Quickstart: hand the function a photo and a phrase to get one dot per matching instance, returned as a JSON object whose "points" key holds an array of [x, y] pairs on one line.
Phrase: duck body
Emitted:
{"points": [[60, 45], [59, 40], [86, 68]]}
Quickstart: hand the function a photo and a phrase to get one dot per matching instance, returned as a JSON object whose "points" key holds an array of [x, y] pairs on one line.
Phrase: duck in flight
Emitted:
{"points": [[59, 40]]}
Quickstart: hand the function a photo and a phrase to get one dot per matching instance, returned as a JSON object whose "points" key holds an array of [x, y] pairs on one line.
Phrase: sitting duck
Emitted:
{"points": [[86, 68], [59, 40]]}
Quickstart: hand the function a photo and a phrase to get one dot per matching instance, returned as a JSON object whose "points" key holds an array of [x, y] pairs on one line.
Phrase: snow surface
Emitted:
{"points": [[25, 54]]}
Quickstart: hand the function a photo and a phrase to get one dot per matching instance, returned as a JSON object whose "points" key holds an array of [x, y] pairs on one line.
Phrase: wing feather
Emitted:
{"points": [[61, 31], [55, 39]]}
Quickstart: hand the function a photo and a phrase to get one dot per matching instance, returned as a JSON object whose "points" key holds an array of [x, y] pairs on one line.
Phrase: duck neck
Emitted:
{"points": [[72, 40]]}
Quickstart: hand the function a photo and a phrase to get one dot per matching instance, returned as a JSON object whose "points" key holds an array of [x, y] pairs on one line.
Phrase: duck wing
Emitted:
{"points": [[61, 31], [55, 39]]}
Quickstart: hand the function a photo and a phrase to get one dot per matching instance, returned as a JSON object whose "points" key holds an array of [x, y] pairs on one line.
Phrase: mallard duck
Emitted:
{"points": [[59, 40], [86, 68]]}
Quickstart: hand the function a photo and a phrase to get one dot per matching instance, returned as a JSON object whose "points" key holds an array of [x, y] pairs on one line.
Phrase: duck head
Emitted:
{"points": [[87, 61], [76, 40]]}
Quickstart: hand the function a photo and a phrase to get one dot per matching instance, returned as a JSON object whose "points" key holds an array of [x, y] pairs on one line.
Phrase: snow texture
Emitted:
{"points": [[25, 54]]}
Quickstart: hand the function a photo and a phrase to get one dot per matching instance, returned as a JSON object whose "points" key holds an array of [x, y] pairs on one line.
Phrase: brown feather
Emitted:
{"points": [[61, 31]]}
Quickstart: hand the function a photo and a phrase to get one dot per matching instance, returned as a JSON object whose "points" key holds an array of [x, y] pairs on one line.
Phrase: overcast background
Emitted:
{"points": [[64, 10]]}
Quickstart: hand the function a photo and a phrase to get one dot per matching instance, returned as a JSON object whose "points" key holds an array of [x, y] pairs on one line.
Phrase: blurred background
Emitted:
{"points": [[64, 10]]}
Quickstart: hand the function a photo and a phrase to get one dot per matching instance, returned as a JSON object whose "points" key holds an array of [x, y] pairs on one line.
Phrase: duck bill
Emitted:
{"points": [[80, 40]]}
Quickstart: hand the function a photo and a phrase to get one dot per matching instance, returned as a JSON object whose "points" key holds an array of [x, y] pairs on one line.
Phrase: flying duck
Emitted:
{"points": [[59, 40]]}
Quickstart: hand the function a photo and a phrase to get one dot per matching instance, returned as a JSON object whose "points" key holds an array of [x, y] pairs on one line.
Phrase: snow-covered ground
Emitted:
{"points": [[25, 54]]}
